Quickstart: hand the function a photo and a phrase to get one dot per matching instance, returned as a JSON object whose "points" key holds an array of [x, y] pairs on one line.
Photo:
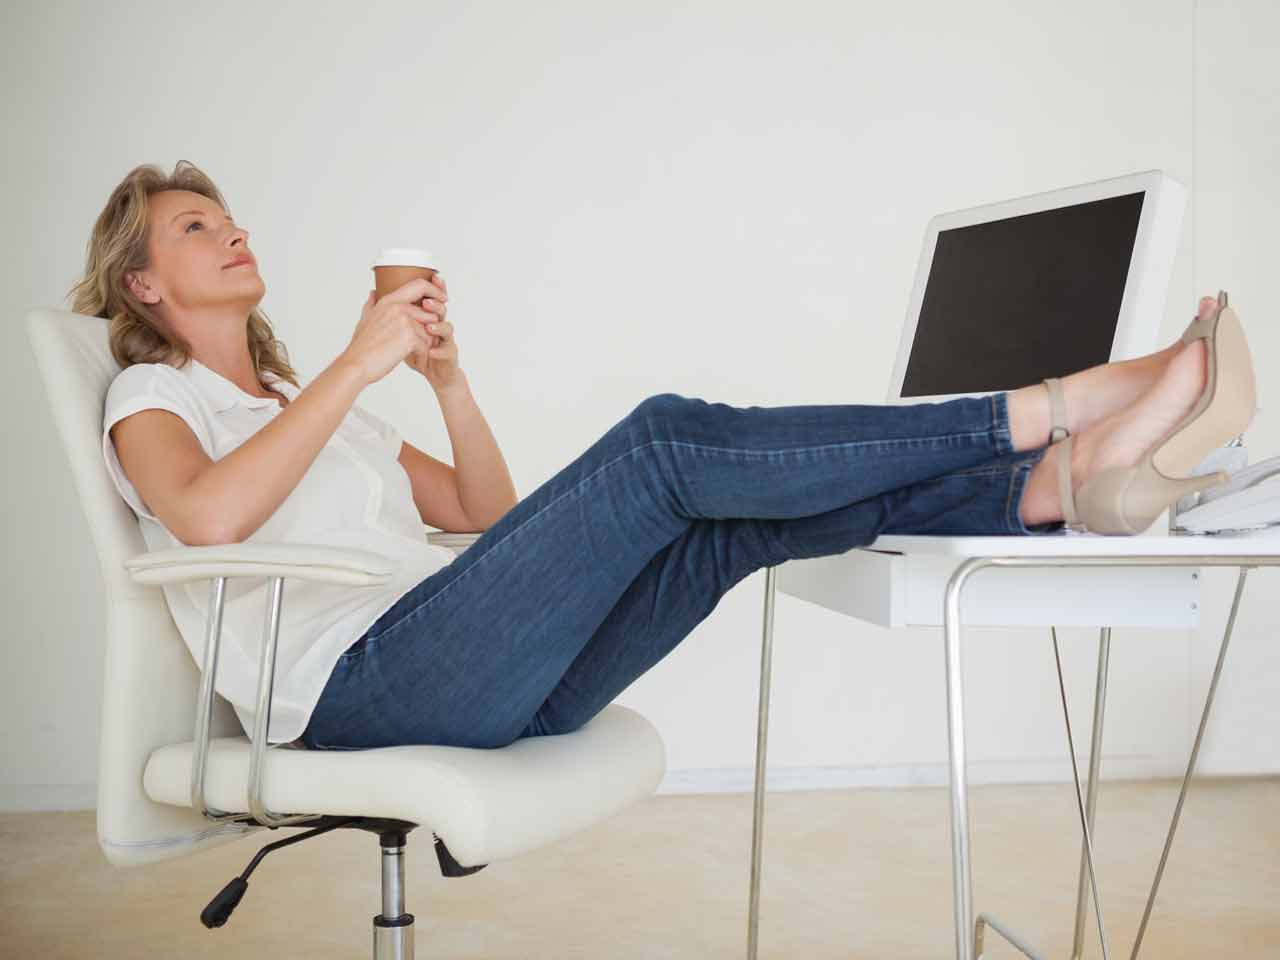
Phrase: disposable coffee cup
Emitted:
{"points": [[396, 266]]}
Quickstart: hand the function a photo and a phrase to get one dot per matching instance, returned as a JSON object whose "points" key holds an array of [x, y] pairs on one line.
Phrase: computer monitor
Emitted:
{"points": [[1009, 293]]}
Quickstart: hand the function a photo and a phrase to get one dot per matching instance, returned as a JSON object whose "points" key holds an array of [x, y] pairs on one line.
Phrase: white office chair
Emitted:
{"points": [[167, 790]]}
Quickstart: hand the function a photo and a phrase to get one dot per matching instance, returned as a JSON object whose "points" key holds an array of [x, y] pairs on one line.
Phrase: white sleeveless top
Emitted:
{"points": [[354, 494]]}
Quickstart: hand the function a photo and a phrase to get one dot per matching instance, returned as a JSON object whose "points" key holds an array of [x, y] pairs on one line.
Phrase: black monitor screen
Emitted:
{"points": [[1010, 302]]}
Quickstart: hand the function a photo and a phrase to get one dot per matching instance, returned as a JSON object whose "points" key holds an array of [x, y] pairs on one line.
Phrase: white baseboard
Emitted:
{"points": [[27, 798], [35, 797], [742, 779]]}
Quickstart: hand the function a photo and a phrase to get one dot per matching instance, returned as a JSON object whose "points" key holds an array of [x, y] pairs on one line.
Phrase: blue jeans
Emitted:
{"points": [[593, 578]]}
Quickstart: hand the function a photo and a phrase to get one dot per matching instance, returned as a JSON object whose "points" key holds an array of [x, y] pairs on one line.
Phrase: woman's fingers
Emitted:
{"points": [[430, 326], [425, 317], [417, 313], [435, 306], [410, 292]]}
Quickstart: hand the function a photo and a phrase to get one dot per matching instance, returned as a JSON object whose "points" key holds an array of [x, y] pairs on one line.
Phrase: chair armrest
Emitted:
{"points": [[216, 563], [303, 561], [457, 542]]}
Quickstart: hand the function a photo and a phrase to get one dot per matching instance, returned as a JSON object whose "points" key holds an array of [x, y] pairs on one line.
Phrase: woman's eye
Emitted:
{"points": [[193, 222]]}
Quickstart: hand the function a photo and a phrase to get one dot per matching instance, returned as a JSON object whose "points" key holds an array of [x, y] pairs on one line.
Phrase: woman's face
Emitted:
{"points": [[192, 241]]}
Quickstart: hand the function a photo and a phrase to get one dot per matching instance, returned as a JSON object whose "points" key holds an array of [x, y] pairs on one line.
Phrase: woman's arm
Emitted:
{"points": [[435, 491], [203, 501], [485, 490]]}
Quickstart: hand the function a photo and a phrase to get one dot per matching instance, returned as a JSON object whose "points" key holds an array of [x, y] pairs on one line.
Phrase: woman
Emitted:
{"points": [[574, 591]]}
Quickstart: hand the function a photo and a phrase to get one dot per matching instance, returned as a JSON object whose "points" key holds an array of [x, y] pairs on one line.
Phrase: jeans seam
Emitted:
{"points": [[1008, 500], [1000, 424], [577, 488], [824, 446]]}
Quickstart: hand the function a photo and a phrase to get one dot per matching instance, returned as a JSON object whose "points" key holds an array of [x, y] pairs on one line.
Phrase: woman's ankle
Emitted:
{"points": [[1029, 417], [1041, 496], [1041, 500]]}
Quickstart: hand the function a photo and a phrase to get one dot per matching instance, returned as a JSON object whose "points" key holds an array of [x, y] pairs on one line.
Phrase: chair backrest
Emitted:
{"points": [[150, 683]]}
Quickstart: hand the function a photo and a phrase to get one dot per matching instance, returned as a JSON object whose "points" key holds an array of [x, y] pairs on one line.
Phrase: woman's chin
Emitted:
{"points": [[247, 302], [250, 285]]}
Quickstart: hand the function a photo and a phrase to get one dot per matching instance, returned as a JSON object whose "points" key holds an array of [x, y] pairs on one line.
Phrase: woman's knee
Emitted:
{"points": [[660, 407], [660, 416]]}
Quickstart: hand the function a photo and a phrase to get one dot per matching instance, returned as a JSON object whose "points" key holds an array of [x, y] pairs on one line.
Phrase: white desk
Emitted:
{"points": [[1051, 580]]}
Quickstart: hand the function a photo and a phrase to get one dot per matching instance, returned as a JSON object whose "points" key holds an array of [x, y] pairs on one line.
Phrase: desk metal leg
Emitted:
{"points": [[1191, 763], [961, 872], [762, 739], [979, 937], [1095, 758], [1080, 804], [968, 937]]}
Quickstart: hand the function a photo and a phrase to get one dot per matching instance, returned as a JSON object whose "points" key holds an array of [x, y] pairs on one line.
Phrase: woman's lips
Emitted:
{"points": [[243, 262]]}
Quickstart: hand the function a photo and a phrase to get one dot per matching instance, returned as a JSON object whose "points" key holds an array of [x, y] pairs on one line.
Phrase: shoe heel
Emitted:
{"points": [[1127, 500], [1227, 405]]}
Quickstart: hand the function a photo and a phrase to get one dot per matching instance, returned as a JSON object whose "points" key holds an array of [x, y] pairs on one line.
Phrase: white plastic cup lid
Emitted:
{"points": [[404, 257]]}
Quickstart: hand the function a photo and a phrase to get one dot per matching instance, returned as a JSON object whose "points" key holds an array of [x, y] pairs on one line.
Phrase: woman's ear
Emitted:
{"points": [[140, 288]]}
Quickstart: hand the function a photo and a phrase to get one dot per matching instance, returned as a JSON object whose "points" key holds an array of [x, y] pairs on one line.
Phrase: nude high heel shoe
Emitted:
{"points": [[1127, 500]]}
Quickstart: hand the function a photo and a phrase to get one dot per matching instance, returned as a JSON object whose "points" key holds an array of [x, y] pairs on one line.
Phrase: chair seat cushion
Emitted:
{"points": [[485, 804]]}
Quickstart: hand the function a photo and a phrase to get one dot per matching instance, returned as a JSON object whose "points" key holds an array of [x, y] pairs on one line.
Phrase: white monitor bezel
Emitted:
{"points": [[1146, 285]]}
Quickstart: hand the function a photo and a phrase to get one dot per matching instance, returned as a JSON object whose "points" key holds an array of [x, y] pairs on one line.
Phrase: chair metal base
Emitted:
{"points": [[393, 940], [393, 927]]}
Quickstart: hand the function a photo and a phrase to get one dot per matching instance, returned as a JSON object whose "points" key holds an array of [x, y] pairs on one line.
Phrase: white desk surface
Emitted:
{"points": [[1257, 544]]}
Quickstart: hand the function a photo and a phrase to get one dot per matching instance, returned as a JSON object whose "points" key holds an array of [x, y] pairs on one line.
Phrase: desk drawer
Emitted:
{"points": [[905, 590]]}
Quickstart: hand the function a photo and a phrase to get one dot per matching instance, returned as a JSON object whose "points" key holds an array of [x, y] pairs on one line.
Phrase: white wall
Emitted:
{"points": [[629, 200]]}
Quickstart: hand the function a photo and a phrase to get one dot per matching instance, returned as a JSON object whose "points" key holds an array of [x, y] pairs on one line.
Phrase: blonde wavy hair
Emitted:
{"points": [[118, 245]]}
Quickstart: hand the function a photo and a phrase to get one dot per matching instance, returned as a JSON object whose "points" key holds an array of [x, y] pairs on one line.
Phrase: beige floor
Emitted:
{"points": [[849, 873]]}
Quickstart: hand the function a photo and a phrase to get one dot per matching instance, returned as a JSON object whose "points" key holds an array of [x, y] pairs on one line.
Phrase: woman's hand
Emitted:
{"points": [[389, 330], [439, 362]]}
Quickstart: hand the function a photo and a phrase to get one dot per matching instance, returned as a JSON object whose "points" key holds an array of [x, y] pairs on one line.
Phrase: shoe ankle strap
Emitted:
{"points": [[1069, 514], [1058, 410]]}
